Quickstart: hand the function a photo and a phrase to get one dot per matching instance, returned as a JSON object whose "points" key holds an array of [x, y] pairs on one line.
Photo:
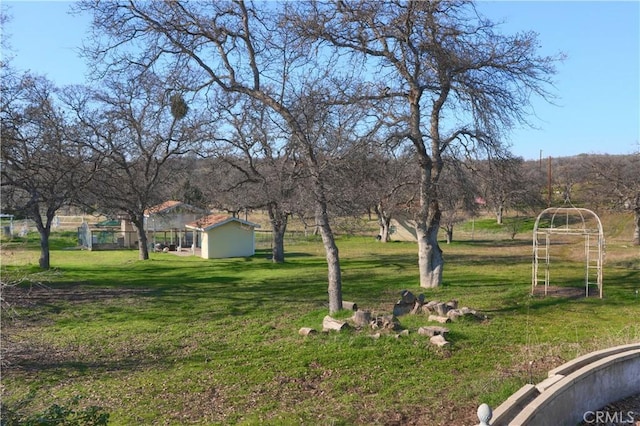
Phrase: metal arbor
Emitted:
{"points": [[568, 221]]}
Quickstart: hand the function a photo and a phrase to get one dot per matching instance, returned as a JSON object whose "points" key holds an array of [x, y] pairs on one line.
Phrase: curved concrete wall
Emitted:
{"points": [[579, 386]]}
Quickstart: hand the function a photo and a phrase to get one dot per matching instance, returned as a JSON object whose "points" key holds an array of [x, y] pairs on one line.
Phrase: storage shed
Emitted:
{"points": [[224, 236]]}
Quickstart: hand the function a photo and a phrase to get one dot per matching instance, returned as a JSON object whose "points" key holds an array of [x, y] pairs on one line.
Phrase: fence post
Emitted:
{"points": [[484, 414]]}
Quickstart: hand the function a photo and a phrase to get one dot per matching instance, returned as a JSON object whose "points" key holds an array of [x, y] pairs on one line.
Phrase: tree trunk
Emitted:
{"points": [[384, 221], [45, 254], [277, 242], [143, 243], [279, 220], [333, 259], [636, 232], [430, 260], [328, 239], [330, 247], [449, 233], [44, 229], [499, 213]]}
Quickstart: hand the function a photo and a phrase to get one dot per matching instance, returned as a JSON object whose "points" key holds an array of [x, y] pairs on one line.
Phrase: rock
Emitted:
{"points": [[433, 330], [416, 307], [329, 323], [403, 333], [389, 322], [401, 308], [305, 331], [439, 319], [441, 309], [406, 305], [407, 297], [454, 314], [361, 318], [349, 306], [439, 340], [429, 307]]}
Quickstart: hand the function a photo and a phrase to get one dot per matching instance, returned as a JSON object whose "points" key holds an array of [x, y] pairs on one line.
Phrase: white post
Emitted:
{"points": [[484, 414]]}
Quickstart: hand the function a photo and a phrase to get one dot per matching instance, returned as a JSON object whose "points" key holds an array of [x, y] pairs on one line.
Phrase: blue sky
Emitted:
{"points": [[598, 85]]}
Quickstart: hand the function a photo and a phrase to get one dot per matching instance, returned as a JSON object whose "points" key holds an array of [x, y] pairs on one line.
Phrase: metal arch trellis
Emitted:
{"points": [[568, 221]]}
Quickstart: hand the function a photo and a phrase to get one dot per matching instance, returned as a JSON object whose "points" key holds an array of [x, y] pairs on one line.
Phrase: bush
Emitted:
{"points": [[70, 415]]}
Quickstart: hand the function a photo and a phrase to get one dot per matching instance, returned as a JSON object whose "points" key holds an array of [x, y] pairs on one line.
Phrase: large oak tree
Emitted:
{"points": [[137, 126], [45, 163], [453, 85], [234, 47], [262, 170]]}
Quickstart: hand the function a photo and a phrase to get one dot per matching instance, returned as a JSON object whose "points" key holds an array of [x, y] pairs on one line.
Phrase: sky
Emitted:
{"points": [[597, 86]]}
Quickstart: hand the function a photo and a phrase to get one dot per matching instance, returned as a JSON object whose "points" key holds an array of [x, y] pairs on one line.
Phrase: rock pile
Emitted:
{"points": [[438, 311], [409, 304]]}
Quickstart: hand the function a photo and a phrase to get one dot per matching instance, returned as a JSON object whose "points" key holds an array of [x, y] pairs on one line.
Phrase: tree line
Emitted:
{"points": [[315, 108]]}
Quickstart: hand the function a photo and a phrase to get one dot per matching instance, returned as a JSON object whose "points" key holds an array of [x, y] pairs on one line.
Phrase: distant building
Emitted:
{"points": [[165, 224], [222, 236]]}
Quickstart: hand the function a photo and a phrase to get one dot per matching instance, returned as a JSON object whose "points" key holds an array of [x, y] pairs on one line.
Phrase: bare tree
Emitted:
{"points": [[44, 163], [237, 48], [616, 181], [567, 173], [387, 184], [137, 126], [504, 185], [267, 171], [452, 82], [458, 202]]}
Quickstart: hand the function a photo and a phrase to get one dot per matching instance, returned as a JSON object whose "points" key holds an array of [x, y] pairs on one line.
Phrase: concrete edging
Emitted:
{"points": [[581, 361], [573, 389]]}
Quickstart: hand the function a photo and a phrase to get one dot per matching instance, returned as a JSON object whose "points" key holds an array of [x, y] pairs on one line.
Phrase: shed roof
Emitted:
{"points": [[214, 220]]}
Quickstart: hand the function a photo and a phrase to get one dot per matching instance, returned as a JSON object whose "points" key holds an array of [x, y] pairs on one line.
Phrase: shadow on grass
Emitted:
{"points": [[267, 254], [234, 287], [499, 243]]}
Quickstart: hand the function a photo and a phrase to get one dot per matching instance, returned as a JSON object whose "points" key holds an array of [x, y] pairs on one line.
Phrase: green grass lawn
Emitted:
{"points": [[183, 340]]}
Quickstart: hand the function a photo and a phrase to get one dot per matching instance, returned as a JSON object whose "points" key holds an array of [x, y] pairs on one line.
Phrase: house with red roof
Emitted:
{"points": [[222, 236]]}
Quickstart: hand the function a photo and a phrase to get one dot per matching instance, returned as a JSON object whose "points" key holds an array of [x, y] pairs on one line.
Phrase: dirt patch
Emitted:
{"points": [[39, 294], [25, 308], [566, 292]]}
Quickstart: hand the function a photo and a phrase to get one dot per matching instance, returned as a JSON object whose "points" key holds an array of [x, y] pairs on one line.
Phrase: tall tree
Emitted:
{"points": [[374, 179], [567, 173], [237, 48], [452, 82], [267, 172], [459, 201], [503, 185], [137, 126], [44, 162], [616, 180]]}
